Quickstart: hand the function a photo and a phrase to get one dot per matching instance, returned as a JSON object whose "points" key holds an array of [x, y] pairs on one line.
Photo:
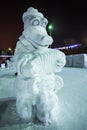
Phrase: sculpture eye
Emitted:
{"points": [[35, 22], [44, 22]]}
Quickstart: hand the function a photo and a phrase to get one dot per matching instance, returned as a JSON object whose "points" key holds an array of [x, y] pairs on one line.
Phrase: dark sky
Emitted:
{"points": [[68, 18]]}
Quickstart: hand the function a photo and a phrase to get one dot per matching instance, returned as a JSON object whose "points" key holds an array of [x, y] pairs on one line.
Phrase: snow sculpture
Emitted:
{"points": [[37, 82]]}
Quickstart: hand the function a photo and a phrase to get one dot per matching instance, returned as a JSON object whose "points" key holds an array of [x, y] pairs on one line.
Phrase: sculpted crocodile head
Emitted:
{"points": [[35, 28]]}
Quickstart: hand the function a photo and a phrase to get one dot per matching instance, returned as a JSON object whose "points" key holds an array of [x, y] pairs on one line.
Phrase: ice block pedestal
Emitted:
{"points": [[78, 60]]}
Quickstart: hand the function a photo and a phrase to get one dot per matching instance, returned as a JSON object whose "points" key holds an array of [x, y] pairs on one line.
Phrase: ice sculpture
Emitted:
{"points": [[37, 82]]}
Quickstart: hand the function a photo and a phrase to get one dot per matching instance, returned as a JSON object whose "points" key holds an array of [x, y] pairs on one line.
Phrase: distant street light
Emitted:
{"points": [[50, 27], [9, 49]]}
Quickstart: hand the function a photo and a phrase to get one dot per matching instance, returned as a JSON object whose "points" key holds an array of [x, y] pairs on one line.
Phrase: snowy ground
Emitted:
{"points": [[7, 78], [72, 97]]}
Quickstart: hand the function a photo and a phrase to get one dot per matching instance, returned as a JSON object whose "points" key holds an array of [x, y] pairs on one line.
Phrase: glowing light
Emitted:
{"points": [[50, 27], [71, 46], [9, 49], [6, 55]]}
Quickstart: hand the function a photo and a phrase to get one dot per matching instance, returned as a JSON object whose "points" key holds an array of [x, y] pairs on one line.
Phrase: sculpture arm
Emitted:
{"points": [[39, 63], [26, 66], [60, 60]]}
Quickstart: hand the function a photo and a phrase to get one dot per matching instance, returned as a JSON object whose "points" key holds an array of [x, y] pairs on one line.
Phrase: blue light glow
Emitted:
{"points": [[71, 46]]}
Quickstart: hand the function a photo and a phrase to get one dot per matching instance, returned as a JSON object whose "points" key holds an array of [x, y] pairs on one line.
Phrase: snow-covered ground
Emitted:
{"points": [[7, 78], [72, 97]]}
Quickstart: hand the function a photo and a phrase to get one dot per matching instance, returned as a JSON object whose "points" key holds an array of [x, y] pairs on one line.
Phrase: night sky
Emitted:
{"points": [[69, 20]]}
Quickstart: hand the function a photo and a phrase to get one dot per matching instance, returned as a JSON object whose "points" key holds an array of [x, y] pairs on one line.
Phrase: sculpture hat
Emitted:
{"points": [[31, 12]]}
